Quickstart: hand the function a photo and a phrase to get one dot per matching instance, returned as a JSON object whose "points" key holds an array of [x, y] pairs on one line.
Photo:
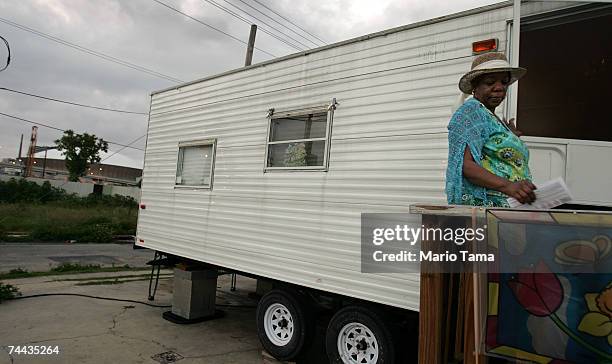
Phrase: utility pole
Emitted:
{"points": [[20, 146], [45, 163], [31, 152], [250, 46]]}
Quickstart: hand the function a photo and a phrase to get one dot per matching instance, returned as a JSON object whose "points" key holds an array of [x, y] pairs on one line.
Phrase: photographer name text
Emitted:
{"points": [[429, 256]]}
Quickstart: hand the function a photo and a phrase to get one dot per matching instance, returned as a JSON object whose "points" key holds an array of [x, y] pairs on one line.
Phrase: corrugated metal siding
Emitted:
{"points": [[388, 151]]}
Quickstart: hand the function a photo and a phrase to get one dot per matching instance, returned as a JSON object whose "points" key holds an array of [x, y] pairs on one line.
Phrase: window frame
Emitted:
{"points": [[179, 162], [326, 108]]}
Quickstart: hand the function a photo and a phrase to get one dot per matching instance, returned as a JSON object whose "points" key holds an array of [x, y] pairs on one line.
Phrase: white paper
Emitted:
{"points": [[548, 195]]}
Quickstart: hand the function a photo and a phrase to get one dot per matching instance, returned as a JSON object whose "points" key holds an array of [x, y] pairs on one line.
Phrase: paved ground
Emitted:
{"points": [[42, 256], [90, 330], [96, 331]]}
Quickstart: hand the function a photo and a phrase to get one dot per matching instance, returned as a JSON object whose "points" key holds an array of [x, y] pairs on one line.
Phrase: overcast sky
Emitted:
{"points": [[147, 34]]}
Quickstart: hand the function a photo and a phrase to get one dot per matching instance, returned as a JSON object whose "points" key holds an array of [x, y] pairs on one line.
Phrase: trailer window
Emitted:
{"points": [[298, 140], [195, 165]]}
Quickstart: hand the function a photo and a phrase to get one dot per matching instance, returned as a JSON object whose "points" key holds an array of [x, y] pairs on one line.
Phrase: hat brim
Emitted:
{"points": [[465, 83]]}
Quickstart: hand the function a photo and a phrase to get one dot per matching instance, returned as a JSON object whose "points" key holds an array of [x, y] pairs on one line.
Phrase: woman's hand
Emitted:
{"points": [[523, 191]]}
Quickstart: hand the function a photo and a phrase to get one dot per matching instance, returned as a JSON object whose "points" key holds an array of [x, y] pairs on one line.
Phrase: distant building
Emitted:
{"points": [[56, 169], [10, 167]]}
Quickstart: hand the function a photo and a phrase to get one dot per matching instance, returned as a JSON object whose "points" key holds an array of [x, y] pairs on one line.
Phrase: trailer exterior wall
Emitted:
{"points": [[388, 150]]}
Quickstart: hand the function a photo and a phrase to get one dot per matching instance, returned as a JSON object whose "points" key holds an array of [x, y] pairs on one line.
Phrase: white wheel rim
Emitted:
{"points": [[278, 324], [357, 344]]}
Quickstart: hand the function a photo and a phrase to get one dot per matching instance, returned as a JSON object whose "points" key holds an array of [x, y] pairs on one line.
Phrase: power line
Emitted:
{"points": [[91, 51], [62, 130], [211, 27], [248, 22], [8, 58], [291, 22], [73, 103], [33, 122], [269, 17], [126, 146], [219, 6], [266, 24]]}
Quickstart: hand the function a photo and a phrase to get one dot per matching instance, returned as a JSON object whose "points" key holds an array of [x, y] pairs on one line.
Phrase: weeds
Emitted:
{"points": [[68, 268], [46, 213], [111, 281], [89, 279], [54, 222], [24, 191], [8, 292], [75, 267]]}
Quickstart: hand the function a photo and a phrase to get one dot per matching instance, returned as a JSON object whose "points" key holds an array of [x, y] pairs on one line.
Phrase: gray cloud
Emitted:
{"points": [[148, 34]]}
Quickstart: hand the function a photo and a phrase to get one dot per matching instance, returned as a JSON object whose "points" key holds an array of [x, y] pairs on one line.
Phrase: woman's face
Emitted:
{"points": [[491, 89]]}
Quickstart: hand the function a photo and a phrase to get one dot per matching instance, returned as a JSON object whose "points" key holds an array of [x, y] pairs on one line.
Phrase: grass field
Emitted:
{"points": [[59, 222]]}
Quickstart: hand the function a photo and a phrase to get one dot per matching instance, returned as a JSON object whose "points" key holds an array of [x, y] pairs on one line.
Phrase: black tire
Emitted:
{"points": [[300, 317], [368, 318]]}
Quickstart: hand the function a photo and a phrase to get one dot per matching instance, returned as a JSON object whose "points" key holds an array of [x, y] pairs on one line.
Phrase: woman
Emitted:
{"points": [[487, 162]]}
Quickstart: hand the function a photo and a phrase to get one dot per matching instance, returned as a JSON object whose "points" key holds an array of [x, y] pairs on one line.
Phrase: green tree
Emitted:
{"points": [[80, 151]]}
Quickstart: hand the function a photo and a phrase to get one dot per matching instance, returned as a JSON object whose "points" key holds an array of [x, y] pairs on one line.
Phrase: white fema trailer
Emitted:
{"points": [[265, 170]]}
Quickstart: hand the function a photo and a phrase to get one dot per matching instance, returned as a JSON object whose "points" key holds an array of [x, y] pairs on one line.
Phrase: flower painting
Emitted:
{"points": [[539, 291], [598, 321], [555, 303], [584, 325]]}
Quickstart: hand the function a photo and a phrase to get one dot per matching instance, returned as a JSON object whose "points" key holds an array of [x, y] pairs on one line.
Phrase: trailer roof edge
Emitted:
{"points": [[345, 42]]}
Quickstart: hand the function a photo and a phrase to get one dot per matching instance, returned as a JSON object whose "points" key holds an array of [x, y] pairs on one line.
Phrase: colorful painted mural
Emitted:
{"points": [[550, 298]]}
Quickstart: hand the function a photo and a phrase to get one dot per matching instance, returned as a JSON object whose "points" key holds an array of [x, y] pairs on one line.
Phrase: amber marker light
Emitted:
{"points": [[483, 46]]}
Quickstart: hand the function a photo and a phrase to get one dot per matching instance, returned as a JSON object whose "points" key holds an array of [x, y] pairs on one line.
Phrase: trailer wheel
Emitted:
{"points": [[357, 335], [284, 324]]}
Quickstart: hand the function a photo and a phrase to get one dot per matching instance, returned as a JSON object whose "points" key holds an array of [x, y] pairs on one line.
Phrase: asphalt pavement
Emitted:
{"points": [[93, 330], [43, 256], [88, 330]]}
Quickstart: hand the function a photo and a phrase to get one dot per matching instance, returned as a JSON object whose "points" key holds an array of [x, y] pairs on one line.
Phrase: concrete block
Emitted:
{"points": [[194, 293]]}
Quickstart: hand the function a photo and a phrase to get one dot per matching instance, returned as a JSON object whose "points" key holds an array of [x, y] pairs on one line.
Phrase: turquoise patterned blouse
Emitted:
{"points": [[494, 147]]}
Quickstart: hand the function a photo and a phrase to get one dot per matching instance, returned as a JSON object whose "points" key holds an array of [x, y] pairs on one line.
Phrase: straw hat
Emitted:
{"points": [[489, 63]]}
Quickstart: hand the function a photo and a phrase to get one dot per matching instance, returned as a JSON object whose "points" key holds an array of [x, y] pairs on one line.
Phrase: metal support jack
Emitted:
{"points": [[159, 259]]}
